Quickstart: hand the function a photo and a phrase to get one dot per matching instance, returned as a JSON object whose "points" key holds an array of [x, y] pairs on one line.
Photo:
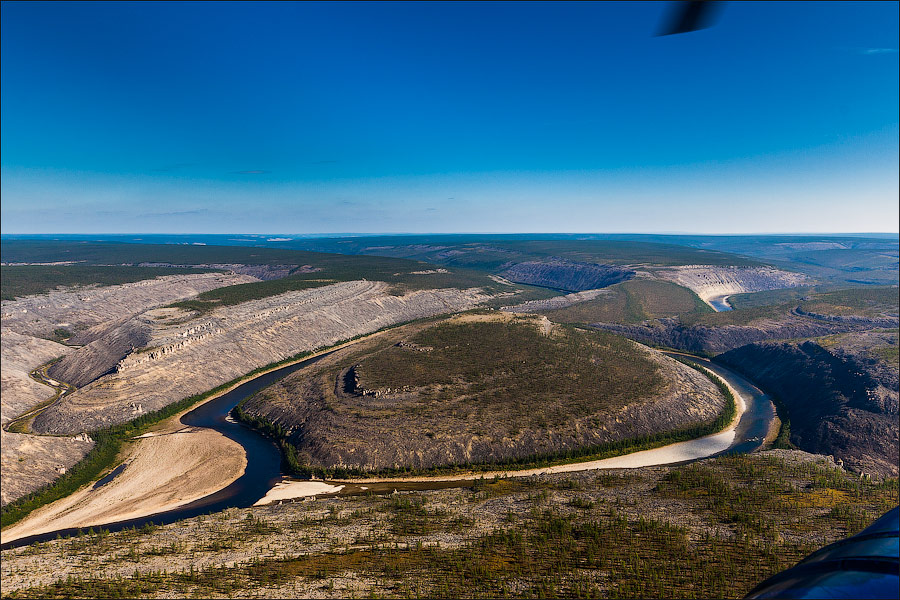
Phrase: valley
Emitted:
{"points": [[422, 378], [449, 300]]}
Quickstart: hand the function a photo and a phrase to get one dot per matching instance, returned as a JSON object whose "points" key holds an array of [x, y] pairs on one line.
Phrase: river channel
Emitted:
{"points": [[720, 303], [264, 461]]}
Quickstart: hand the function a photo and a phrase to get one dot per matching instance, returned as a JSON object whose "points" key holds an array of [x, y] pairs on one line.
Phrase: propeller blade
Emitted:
{"points": [[692, 15]]}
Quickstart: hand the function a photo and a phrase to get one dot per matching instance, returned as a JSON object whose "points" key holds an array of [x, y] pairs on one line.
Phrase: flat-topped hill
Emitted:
{"points": [[479, 388]]}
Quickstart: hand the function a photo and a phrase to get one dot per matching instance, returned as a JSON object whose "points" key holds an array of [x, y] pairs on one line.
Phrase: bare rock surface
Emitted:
{"points": [[20, 354], [837, 403], [710, 282], [82, 310], [556, 302], [185, 355], [262, 272], [28, 462], [566, 275], [670, 332], [103, 354]]}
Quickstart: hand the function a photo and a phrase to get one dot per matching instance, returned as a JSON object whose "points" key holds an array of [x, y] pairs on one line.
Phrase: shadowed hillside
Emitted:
{"points": [[836, 403]]}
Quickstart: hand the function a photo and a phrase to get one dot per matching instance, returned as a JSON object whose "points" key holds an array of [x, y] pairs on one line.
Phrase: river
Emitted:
{"points": [[720, 303], [264, 461]]}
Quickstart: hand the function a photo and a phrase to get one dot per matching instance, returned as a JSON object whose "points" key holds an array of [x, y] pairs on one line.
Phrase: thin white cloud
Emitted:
{"points": [[176, 214], [878, 51]]}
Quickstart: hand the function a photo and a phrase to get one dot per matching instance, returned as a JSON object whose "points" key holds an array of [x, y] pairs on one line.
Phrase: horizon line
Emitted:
{"points": [[411, 233]]}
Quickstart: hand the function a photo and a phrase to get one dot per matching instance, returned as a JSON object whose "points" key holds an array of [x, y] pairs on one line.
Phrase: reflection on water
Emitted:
{"points": [[720, 303], [262, 454], [265, 458]]}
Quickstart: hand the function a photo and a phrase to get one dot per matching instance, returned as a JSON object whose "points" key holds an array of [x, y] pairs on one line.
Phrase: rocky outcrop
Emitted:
{"points": [[711, 282], [556, 302], [91, 311], [182, 356], [102, 355], [20, 355], [566, 275], [837, 404], [885, 321], [671, 333], [29, 462], [262, 272]]}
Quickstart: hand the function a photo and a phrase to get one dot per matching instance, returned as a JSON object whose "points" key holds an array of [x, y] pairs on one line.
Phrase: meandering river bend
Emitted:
{"points": [[263, 472]]}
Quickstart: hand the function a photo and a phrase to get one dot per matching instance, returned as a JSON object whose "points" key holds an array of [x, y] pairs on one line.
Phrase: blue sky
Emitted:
{"points": [[311, 118]]}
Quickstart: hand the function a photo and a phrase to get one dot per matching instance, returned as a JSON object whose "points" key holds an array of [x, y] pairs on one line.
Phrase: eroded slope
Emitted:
{"points": [[839, 401], [184, 355], [88, 311], [28, 462], [711, 282], [566, 275], [482, 388]]}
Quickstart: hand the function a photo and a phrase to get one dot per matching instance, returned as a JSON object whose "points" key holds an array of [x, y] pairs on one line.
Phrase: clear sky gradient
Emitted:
{"points": [[311, 118]]}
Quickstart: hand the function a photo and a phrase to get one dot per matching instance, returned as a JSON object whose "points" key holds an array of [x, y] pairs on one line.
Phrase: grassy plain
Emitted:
{"points": [[770, 297]]}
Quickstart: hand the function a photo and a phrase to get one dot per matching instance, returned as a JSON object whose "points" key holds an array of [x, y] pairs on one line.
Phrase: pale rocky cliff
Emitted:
{"points": [[28, 462], [181, 357], [89, 311], [566, 275], [710, 282]]}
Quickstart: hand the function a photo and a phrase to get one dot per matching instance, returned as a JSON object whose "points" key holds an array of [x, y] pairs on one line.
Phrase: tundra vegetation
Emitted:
{"points": [[480, 391], [493, 253], [26, 280], [634, 301], [715, 528], [710, 529]]}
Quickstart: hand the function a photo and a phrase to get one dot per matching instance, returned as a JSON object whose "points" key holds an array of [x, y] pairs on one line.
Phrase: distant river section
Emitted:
{"points": [[720, 303]]}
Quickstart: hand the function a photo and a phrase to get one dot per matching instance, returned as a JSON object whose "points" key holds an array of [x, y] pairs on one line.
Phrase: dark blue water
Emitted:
{"points": [[753, 425], [263, 460], [720, 304]]}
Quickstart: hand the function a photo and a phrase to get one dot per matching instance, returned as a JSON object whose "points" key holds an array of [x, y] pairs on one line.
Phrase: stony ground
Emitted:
{"points": [[556, 302], [28, 462], [711, 282], [711, 529], [89, 311], [159, 357]]}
